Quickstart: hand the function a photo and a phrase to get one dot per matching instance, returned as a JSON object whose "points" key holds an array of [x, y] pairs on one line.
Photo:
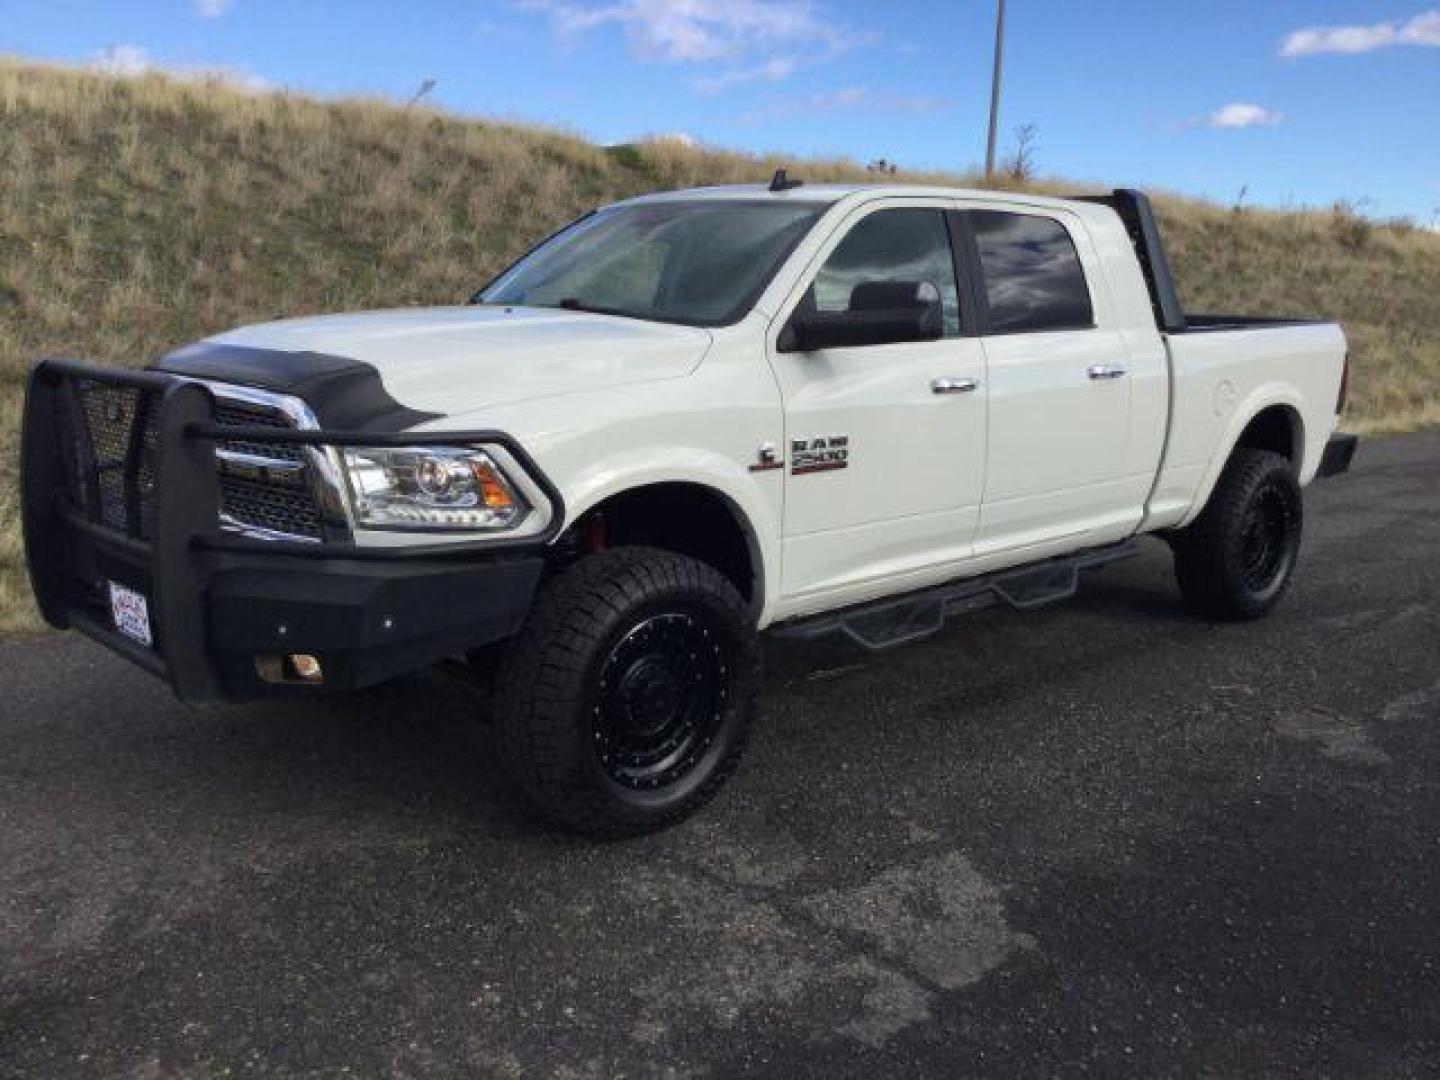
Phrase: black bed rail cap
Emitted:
{"points": [[1139, 218], [781, 181]]}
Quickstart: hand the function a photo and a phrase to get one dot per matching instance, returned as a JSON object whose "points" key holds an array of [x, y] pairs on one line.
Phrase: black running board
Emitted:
{"points": [[899, 620]]}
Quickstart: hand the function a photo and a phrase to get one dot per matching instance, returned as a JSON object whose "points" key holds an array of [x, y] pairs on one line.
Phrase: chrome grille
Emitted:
{"points": [[237, 413], [259, 505], [256, 502]]}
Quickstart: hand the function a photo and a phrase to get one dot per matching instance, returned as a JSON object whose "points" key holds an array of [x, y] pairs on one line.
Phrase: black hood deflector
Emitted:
{"points": [[344, 394]]}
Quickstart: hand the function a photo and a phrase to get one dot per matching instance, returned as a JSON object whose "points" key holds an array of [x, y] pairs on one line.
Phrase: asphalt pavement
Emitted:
{"points": [[1104, 838]]}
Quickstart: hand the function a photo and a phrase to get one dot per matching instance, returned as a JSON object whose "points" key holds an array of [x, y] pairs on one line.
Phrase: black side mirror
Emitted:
{"points": [[880, 313]]}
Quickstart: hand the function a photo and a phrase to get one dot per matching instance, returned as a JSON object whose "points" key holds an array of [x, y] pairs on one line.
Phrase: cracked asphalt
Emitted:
{"points": [[1104, 838]]}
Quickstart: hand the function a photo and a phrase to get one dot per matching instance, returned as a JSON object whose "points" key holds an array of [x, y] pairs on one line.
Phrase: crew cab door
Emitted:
{"points": [[884, 451], [1058, 471]]}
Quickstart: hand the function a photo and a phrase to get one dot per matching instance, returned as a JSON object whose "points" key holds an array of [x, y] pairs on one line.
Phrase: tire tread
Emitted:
{"points": [[1203, 566], [540, 684]]}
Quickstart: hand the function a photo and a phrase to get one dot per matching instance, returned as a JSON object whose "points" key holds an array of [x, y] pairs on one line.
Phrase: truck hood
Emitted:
{"points": [[453, 360]]}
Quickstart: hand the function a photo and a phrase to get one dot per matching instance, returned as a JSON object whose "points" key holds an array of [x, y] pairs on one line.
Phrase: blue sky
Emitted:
{"points": [[1301, 102]]}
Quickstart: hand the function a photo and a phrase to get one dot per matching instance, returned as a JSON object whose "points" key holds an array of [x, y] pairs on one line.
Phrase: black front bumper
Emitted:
{"points": [[365, 622], [226, 612], [1339, 453]]}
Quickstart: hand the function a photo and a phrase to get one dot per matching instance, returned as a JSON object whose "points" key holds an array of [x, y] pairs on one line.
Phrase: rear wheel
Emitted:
{"points": [[624, 703], [1236, 559]]}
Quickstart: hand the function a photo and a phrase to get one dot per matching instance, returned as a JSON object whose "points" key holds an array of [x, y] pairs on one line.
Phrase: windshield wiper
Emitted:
{"points": [[574, 303]]}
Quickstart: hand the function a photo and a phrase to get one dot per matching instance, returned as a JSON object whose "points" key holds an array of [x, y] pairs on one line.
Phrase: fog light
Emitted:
{"points": [[307, 667]]}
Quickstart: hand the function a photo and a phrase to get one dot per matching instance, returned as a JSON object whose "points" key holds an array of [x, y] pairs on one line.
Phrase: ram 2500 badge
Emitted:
{"points": [[682, 420]]}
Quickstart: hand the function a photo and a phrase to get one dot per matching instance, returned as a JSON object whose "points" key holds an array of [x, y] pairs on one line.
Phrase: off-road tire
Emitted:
{"points": [[1236, 559], [616, 647]]}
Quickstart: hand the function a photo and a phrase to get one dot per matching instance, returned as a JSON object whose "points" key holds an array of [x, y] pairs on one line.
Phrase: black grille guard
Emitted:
{"points": [[168, 537]]}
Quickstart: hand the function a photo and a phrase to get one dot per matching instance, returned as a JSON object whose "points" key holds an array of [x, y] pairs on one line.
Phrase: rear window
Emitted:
{"points": [[1033, 277]]}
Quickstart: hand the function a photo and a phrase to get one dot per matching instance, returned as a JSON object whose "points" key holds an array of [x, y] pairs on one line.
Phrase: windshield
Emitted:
{"points": [[702, 262]]}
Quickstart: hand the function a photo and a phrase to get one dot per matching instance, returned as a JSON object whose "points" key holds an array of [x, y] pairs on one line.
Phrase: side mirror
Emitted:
{"points": [[880, 313]]}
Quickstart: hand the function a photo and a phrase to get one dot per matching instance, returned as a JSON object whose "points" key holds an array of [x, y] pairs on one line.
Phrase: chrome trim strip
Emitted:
{"points": [[256, 532], [242, 463]]}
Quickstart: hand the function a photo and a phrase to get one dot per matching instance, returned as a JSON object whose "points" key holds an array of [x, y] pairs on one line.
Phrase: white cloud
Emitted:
{"points": [[1242, 114], [847, 99], [131, 61], [212, 9], [1422, 29], [776, 69], [125, 60], [699, 30], [752, 40]]}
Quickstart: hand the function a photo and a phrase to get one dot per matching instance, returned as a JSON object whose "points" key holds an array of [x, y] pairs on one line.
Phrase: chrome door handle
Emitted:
{"points": [[1107, 371], [953, 386]]}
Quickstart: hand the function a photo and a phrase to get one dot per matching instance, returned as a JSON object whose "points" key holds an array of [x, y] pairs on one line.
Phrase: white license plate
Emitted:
{"points": [[131, 614]]}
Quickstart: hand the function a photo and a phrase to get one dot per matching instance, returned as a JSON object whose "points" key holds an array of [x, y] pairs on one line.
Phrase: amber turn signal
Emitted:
{"points": [[493, 491]]}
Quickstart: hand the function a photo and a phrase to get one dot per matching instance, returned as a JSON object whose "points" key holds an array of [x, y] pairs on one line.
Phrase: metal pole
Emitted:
{"points": [[995, 88]]}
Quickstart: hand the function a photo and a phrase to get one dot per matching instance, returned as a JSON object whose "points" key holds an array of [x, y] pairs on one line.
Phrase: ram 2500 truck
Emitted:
{"points": [[680, 421]]}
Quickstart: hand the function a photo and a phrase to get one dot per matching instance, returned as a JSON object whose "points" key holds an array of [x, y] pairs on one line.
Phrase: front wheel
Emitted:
{"points": [[624, 703], [1236, 559]]}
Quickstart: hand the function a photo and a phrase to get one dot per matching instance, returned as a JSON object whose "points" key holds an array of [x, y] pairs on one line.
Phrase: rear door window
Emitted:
{"points": [[1032, 273]]}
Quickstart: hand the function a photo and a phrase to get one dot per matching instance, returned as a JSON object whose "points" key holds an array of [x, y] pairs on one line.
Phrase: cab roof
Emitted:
{"points": [[834, 193]]}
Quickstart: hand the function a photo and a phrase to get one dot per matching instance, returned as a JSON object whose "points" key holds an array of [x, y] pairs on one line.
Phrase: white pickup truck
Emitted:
{"points": [[680, 421]]}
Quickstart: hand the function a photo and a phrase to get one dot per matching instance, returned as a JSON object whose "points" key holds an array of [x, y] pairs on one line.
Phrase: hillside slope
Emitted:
{"points": [[139, 214]]}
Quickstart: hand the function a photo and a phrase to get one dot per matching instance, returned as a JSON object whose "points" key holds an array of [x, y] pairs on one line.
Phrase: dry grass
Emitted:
{"points": [[137, 214]]}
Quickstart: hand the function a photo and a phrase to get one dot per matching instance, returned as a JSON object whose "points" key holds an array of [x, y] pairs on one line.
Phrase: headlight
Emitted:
{"points": [[430, 487]]}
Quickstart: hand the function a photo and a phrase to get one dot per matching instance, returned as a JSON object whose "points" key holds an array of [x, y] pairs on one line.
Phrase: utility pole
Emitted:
{"points": [[995, 88]]}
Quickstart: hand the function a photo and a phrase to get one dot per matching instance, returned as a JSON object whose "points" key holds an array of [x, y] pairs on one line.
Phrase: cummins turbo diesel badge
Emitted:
{"points": [[821, 454]]}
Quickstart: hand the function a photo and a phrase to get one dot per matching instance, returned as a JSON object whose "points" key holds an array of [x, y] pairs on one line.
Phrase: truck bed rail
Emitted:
{"points": [[1138, 217]]}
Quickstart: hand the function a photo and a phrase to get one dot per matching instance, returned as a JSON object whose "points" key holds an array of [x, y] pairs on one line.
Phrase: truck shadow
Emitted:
{"points": [[421, 748]]}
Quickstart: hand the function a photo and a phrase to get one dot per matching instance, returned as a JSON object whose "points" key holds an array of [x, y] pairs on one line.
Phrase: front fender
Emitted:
{"points": [[752, 497]]}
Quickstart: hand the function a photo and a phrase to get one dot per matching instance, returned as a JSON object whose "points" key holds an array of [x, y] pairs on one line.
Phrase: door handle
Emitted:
{"points": [[1107, 371], [953, 386]]}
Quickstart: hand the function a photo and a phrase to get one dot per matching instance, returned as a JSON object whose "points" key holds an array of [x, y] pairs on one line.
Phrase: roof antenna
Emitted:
{"points": [[782, 182]]}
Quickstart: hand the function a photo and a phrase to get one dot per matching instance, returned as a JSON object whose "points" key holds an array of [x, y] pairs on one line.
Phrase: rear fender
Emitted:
{"points": [[1262, 398]]}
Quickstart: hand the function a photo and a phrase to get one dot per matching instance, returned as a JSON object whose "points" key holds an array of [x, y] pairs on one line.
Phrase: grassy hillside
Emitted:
{"points": [[139, 214]]}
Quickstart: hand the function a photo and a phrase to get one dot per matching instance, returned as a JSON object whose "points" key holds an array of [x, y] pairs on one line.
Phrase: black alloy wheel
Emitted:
{"points": [[660, 700], [624, 703], [1237, 558]]}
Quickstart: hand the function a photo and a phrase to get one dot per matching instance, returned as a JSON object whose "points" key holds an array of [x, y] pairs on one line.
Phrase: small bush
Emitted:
{"points": [[626, 155], [1351, 228], [1020, 166]]}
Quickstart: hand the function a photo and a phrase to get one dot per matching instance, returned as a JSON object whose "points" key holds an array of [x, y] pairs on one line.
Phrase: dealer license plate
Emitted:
{"points": [[131, 614]]}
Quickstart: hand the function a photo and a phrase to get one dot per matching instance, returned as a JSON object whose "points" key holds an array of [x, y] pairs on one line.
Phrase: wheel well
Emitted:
{"points": [[689, 519], [1278, 429]]}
